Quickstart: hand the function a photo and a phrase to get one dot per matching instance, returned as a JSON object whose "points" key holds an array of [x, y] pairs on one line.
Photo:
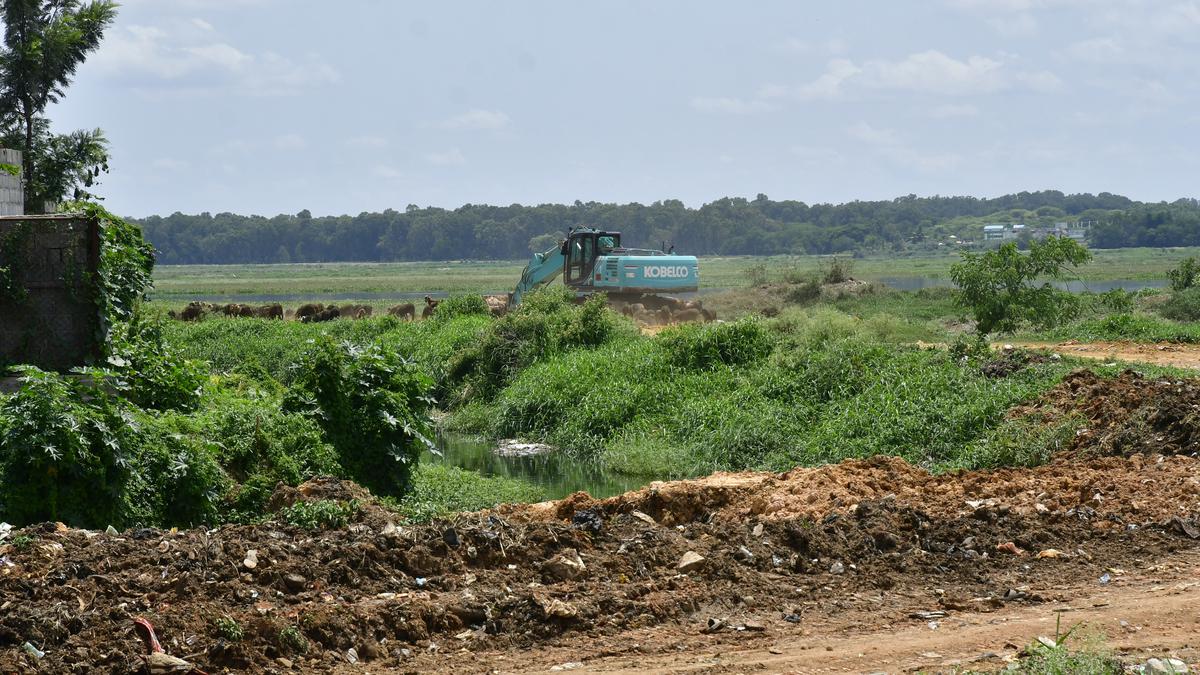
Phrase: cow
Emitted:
{"points": [[430, 307], [310, 309], [404, 311], [327, 314], [274, 311]]}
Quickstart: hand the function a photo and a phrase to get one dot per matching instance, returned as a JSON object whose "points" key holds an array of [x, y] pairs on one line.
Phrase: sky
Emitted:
{"points": [[274, 106]]}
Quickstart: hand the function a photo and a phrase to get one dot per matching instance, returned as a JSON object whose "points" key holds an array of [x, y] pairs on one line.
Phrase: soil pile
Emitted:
{"points": [[749, 554], [1125, 415]]}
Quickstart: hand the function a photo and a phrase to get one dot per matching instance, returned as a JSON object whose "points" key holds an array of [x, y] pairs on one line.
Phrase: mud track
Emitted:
{"points": [[849, 557]]}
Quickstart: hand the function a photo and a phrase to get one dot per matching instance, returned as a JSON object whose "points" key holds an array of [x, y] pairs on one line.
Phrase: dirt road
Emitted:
{"points": [[1156, 353]]}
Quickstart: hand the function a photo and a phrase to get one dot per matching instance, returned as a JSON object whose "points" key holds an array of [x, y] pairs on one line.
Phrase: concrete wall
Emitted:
{"points": [[12, 197], [54, 326]]}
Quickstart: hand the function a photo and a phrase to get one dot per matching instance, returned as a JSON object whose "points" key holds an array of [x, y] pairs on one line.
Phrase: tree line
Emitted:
{"points": [[728, 226]]}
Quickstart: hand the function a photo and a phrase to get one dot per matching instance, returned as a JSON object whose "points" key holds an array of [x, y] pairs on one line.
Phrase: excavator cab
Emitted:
{"points": [[580, 251]]}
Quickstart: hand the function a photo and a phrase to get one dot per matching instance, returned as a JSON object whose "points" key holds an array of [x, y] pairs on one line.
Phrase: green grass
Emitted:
{"points": [[439, 491], [174, 282]]}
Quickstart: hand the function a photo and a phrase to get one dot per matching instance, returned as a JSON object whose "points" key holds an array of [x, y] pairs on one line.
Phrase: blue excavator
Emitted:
{"points": [[594, 261]]}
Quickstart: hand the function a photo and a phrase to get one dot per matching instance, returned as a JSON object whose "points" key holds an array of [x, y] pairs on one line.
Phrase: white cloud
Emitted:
{"points": [[1021, 25], [183, 57], [452, 157], [202, 24], [290, 142], [477, 119], [367, 142], [729, 106], [387, 172], [927, 72]]}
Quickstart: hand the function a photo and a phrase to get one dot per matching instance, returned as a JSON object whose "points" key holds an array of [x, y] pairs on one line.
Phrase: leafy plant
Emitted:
{"points": [[1185, 275], [702, 347], [1183, 305], [1001, 287], [293, 640], [149, 371], [461, 305], [372, 406], [228, 627], [319, 514], [837, 270]]}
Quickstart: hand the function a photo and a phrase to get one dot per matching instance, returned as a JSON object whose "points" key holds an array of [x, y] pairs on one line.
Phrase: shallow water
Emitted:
{"points": [[557, 473]]}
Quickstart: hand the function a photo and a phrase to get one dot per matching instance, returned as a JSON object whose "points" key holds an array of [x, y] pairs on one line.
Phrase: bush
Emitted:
{"points": [[837, 270], [548, 322], [462, 305], [372, 406], [1185, 275], [64, 452], [440, 490], [319, 515], [149, 371], [707, 346], [1183, 305]]}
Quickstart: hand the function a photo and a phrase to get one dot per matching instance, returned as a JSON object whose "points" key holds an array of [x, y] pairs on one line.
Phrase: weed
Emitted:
{"points": [[462, 305], [439, 490], [1182, 305], [293, 640], [228, 628], [1185, 275], [22, 542], [320, 514]]}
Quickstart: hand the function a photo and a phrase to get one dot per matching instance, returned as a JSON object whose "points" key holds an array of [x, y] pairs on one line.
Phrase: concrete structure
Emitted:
{"points": [[1000, 232], [49, 315], [12, 196]]}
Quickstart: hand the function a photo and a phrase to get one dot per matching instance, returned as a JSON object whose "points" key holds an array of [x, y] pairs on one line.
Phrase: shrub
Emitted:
{"points": [[837, 270], [319, 514], [439, 490], [703, 347], [462, 305], [1185, 275], [1000, 286], [64, 452], [372, 406], [149, 371], [803, 292], [1183, 305]]}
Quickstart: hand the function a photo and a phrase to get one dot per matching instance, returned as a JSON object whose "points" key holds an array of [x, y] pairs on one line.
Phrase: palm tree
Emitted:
{"points": [[45, 42]]}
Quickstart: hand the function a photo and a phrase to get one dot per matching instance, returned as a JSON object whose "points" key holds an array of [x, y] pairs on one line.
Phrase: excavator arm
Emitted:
{"points": [[541, 270]]}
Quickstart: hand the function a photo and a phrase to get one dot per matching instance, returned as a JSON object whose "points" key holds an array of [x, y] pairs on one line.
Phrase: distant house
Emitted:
{"points": [[997, 232]]}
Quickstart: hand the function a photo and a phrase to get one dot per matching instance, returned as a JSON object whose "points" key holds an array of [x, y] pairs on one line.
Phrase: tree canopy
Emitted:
{"points": [[728, 226]]}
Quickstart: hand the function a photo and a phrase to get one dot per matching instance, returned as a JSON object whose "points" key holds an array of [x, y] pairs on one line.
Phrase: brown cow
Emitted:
{"points": [[355, 311], [327, 314], [274, 311], [193, 311], [310, 309], [405, 311], [430, 307]]}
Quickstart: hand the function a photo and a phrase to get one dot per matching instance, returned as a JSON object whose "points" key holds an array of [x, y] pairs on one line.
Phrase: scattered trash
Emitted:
{"points": [[352, 655], [33, 651], [110, 530], [925, 616], [1165, 667], [1010, 547], [645, 518], [1105, 578], [837, 568], [420, 582], [251, 560], [714, 625], [1050, 553], [567, 565], [569, 665], [589, 520]]}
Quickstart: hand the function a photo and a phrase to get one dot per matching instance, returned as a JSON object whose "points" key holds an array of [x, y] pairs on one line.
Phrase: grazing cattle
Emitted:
{"points": [[310, 309], [327, 314], [688, 316], [634, 309], [355, 311], [274, 311], [192, 312], [430, 307], [405, 311], [497, 304]]}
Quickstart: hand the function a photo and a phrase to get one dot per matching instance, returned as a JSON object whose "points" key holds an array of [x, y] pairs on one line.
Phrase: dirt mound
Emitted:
{"points": [[861, 541], [1125, 415]]}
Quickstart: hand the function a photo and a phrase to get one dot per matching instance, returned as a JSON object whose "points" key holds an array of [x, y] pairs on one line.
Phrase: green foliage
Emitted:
{"points": [[441, 490], [1000, 287], [149, 371], [461, 305], [372, 405], [708, 346], [10, 169], [1183, 305], [64, 452], [837, 270], [1185, 275], [228, 628], [126, 264], [547, 322], [293, 640], [22, 542], [323, 514], [44, 44], [757, 274]]}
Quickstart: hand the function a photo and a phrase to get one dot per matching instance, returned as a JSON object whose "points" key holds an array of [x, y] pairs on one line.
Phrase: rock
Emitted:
{"points": [[645, 518], [754, 626], [744, 554], [294, 582], [1050, 553], [758, 530], [690, 562], [352, 655], [513, 448], [1041, 508], [553, 607], [1165, 667], [251, 560], [569, 665], [284, 663], [837, 568], [567, 565]]}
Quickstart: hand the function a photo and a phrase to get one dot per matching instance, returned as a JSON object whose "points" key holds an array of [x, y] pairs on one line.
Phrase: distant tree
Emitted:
{"points": [[45, 42], [1002, 290]]}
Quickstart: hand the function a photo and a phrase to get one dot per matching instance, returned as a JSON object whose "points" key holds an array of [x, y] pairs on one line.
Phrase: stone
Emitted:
{"points": [[251, 560], [567, 565], [1165, 667], [837, 568], [294, 582], [690, 562], [284, 663], [645, 518]]}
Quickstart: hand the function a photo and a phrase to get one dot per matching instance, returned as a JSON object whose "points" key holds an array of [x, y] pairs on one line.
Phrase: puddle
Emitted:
{"points": [[559, 474]]}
